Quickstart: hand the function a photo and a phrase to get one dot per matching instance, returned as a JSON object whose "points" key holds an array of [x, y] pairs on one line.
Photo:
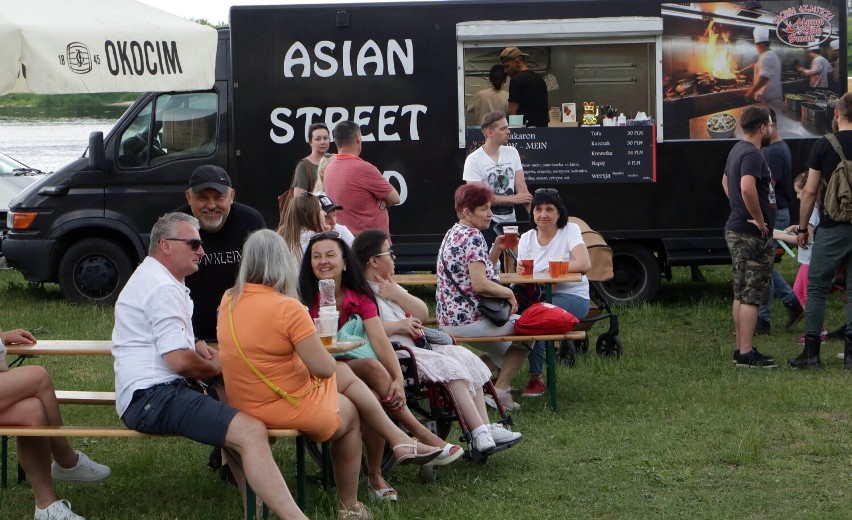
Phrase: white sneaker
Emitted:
{"points": [[505, 399], [501, 435], [483, 442], [86, 471], [59, 510]]}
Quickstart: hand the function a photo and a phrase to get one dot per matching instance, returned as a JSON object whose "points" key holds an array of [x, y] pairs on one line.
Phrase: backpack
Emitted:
{"points": [[837, 193]]}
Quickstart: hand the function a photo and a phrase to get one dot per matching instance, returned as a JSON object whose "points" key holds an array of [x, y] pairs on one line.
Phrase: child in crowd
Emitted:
{"points": [[800, 285]]}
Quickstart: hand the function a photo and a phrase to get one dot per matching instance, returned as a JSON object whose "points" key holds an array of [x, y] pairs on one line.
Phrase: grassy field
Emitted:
{"points": [[670, 430]]}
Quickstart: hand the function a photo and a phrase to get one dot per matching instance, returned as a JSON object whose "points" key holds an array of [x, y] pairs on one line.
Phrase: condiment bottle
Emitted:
{"points": [[622, 120]]}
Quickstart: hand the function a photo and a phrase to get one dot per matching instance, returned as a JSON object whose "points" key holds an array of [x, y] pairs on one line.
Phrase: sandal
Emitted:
{"points": [[414, 457], [387, 494], [450, 453], [357, 510]]}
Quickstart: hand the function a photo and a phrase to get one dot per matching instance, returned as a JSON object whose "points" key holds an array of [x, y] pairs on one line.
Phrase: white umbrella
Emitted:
{"points": [[79, 46]]}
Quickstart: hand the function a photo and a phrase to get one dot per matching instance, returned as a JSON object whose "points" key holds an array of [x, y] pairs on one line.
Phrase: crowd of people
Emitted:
{"points": [[215, 274], [755, 180]]}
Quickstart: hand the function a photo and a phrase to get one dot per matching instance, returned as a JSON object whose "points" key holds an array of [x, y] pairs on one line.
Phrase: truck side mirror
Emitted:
{"points": [[96, 151]]}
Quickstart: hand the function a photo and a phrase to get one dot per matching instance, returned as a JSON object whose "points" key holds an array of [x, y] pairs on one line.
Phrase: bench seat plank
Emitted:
{"points": [[573, 335], [84, 397], [104, 431]]}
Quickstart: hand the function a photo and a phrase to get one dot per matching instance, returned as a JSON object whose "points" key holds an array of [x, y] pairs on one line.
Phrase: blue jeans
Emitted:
{"points": [[779, 286], [572, 303]]}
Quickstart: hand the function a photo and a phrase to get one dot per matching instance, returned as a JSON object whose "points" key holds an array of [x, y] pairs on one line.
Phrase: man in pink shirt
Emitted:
{"points": [[357, 185]]}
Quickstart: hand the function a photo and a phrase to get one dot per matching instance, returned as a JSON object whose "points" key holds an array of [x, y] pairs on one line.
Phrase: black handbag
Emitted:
{"points": [[497, 310]]}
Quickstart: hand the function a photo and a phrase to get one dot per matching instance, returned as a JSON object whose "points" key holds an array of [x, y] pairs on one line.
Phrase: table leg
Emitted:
{"points": [[550, 359]]}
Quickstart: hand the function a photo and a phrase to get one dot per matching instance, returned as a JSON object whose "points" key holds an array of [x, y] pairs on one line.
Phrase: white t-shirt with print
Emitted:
{"points": [[500, 176], [565, 240]]}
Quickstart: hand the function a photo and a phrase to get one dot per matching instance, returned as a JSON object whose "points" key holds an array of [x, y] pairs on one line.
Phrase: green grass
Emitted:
{"points": [[670, 430]]}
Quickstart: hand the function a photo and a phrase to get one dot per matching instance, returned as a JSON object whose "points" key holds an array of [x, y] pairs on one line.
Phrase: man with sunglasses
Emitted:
{"points": [[747, 183], [157, 359], [498, 166]]}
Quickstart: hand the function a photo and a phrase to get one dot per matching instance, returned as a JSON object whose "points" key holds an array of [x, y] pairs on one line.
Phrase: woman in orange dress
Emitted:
{"points": [[262, 325]]}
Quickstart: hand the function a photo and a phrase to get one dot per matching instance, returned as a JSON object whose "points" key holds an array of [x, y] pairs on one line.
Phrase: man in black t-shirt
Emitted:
{"points": [[748, 231], [225, 225], [527, 91], [832, 246]]}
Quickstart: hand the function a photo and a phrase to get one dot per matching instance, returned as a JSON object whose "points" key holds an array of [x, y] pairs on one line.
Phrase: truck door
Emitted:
{"points": [[157, 151]]}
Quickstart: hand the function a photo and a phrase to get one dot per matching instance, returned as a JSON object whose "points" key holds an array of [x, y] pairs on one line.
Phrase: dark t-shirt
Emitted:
{"points": [[217, 270], [746, 159], [825, 159], [780, 162], [529, 91]]}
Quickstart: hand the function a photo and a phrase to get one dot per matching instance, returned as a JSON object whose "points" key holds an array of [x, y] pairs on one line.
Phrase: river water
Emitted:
{"points": [[47, 138]]}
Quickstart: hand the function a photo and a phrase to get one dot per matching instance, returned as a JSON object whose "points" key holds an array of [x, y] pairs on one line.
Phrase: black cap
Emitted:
{"points": [[327, 205], [209, 176]]}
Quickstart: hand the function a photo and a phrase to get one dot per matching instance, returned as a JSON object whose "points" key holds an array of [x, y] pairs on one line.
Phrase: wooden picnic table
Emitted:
{"points": [[508, 279], [63, 347]]}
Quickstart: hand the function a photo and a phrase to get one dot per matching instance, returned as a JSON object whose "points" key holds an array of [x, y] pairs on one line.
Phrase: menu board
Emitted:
{"points": [[582, 155]]}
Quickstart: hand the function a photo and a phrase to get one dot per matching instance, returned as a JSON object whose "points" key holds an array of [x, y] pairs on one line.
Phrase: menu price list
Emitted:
{"points": [[582, 155]]}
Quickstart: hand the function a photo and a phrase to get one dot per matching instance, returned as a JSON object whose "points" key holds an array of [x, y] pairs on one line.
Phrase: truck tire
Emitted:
{"points": [[636, 275], [94, 270]]}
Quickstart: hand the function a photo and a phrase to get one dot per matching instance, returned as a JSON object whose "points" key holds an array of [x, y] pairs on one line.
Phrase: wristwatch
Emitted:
{"points": [[801, 230]]}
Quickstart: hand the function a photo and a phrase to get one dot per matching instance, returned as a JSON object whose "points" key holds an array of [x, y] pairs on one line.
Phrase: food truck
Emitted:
{"points": [[644, 97]]}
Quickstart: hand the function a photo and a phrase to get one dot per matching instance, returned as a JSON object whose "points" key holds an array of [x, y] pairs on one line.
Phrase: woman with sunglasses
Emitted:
{"points": [[264, 328], [329, 258], [552, 237], [303, 219], [402, 316], [465, 261]]}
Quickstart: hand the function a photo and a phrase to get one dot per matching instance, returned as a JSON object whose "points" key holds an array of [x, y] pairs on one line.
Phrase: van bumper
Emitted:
{"points": [[30, 256]]}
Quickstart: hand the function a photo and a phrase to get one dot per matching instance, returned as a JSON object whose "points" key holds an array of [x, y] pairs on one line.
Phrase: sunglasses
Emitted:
{"points": [[552, 191], [193, 243], [389, 252], [325, 234]]}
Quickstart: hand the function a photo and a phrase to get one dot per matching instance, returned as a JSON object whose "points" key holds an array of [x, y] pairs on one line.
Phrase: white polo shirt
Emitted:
{"points": [[153, 316]]}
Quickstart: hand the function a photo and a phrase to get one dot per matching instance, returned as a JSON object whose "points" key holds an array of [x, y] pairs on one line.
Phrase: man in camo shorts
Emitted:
{"points": [[748, 184]]}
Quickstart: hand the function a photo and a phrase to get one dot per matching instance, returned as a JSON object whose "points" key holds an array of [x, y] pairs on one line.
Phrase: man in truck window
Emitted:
{"points": [[767, 71], [357, 185], [748, 231], [527, 91], [498, 165]]}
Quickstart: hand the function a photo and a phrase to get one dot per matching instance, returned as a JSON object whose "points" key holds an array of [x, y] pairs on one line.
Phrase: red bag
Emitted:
{"points": [[545, 318]]}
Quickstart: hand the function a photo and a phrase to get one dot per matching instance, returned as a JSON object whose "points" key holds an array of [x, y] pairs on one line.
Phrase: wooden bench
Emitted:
{"points": [[550, 352], [121, 432]]}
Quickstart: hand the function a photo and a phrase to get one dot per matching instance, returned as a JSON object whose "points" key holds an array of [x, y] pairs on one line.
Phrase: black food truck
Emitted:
{"points": [[649, 181]]}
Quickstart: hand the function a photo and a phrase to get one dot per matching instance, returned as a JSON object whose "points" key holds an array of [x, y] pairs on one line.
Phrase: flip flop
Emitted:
{"points": [[416, 458]]}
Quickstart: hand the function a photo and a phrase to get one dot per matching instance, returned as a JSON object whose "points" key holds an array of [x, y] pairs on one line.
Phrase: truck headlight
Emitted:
{"points": [[20, 220]]}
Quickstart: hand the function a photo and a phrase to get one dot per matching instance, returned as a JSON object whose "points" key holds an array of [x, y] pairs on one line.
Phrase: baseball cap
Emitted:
{"points": [[813, 48], [209, 176], [327, 205], [510, 53]]}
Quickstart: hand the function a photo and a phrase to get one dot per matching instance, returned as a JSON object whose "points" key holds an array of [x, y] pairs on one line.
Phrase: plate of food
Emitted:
{"points": [[721, 125]]}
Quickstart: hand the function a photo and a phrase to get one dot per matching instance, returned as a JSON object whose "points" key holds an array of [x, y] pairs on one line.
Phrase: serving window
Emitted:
{"points": [[611, 64]]}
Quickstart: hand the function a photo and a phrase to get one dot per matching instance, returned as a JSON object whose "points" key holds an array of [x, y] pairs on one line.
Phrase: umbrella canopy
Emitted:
{"points": [[80, 46]]}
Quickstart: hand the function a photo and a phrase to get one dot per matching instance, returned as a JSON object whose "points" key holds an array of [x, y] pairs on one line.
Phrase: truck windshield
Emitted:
{"points": [[171, 127]]}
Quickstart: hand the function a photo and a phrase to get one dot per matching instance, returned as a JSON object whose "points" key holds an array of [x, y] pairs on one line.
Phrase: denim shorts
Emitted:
{"points": [[174, 408], [752, 258]]}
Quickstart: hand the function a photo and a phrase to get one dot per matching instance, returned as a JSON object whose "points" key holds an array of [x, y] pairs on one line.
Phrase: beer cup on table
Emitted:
{"points": [[526, 266]]}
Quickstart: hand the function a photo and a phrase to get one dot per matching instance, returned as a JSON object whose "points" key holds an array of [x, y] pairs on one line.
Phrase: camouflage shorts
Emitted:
{"points": [[752, 266]]}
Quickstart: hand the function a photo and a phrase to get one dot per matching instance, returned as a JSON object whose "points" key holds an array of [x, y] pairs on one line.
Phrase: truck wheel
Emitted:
{"points": [[94, 270], [636, 275]]}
